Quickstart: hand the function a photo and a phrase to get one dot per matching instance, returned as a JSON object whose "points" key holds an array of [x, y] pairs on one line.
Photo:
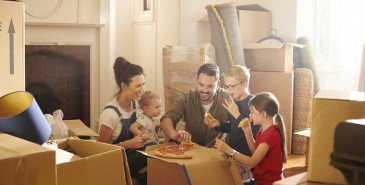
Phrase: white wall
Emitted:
{"points": [[194, 32]]}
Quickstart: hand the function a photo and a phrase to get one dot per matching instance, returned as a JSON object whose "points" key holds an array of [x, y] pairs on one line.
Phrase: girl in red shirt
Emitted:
{"points": [[269, 150]]}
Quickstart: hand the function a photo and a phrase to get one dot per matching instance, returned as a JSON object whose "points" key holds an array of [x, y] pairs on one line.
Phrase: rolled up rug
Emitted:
{"points": [[225, 33], [21, 116]]}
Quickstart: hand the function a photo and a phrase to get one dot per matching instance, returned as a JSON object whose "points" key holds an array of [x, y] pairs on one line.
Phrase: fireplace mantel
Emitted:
{"points": [[79, 25]]}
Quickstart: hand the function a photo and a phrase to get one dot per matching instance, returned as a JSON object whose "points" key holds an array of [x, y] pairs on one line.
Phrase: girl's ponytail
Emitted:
{"points": [[282, 130]]}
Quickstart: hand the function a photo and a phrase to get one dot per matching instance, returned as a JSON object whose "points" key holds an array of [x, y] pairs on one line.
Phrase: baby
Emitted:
{"points": [[150, 104]]}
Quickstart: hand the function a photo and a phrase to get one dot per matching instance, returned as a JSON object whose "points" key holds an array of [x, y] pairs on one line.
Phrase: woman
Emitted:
{"points": [[120, 113]]}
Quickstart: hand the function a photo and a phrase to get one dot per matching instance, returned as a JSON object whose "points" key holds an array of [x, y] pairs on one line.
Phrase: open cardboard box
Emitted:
{"points": [[25, 162], [269, 56], [329, 109], [89, 162], [207, 167]]}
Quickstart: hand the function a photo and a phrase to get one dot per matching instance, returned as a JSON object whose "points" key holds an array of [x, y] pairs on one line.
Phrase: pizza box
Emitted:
{"points": [[89, 162], [197, 170]]}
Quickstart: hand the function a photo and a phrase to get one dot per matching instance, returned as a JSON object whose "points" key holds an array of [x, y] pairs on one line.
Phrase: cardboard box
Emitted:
{"points": [[297, 179], [89, 162], [12, 73], [78, 128], [329, 109], [24, 162], [254, 21], [207, 167], [269, 56], [281, 84]]}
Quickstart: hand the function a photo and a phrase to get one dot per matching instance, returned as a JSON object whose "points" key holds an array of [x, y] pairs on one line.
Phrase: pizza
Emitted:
{"points": [[187, 146], [244, 122], [208, 116], [176, 151]]}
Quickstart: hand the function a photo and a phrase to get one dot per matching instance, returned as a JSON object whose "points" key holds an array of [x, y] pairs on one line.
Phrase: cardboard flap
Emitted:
{"points": [[78, 128], [268, 45], [252, 7]]}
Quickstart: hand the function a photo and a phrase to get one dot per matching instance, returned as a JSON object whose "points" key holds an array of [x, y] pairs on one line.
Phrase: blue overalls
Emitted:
{"points": [[136, 160], [125, 134]]}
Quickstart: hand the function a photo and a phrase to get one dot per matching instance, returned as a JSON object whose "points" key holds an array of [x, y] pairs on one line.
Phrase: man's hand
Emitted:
{"points": [[181, 136]]}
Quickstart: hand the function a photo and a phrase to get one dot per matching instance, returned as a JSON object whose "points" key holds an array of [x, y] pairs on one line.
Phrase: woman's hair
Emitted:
{"points": [[209, 69], [241, 73], [146, 98], [124, 71], [267, 102]]}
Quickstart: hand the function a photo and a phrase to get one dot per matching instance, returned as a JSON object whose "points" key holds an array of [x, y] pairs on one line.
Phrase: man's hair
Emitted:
{"points": [[210, 70]]}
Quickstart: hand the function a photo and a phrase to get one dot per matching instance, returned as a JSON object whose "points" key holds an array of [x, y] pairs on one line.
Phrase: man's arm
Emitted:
{"points": [[168, 128]]}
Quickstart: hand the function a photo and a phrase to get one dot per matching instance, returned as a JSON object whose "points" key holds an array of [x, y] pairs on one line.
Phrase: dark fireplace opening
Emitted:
{"points": [[44, 96], [59, 78]]}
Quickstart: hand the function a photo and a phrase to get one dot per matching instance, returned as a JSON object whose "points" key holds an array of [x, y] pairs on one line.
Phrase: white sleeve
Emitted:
{"points": [[109, 118], [141, 119]]}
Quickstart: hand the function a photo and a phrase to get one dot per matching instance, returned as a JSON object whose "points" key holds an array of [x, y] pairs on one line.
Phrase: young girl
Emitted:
{"points": [[269, 150], [150, 104]]}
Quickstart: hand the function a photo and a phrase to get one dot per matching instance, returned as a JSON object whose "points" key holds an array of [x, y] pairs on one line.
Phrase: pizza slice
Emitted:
{"points": [[209, 116], [187, 146], [244, 122]]}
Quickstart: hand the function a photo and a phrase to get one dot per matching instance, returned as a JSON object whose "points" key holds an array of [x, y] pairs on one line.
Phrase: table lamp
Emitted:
{"points": [[21, 116]]}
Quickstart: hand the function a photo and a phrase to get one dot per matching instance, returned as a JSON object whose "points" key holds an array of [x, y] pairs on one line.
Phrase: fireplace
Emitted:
{"points": [[59, 78]]}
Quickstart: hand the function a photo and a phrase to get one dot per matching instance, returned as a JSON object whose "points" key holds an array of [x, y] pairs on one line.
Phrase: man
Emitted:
{"points": [[192, 105]]}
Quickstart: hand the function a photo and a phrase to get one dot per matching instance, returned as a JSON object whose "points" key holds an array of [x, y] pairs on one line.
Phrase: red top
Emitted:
{"points": [[271, 167]]}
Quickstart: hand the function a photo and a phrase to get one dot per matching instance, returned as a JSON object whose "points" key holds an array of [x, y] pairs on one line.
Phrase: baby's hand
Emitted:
{"points": [[145, 137]]}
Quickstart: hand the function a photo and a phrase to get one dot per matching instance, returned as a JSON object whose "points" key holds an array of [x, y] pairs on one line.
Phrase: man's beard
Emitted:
{"points": [[205, 96]]}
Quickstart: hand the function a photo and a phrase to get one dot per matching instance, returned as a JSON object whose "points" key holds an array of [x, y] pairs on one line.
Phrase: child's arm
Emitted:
{"points": [[256, 158], [259, 154], [249, 138], [134, 128]]}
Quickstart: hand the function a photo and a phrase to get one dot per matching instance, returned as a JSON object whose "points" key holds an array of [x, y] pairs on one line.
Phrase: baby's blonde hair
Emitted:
{"points": [[241, 73], [146, 98]]}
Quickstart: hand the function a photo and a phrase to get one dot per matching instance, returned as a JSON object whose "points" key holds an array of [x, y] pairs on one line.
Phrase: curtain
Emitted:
{"points": [[339, 37]]}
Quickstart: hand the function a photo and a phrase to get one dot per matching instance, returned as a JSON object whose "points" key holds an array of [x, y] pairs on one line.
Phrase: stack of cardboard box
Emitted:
{"points": [[271, 64]]}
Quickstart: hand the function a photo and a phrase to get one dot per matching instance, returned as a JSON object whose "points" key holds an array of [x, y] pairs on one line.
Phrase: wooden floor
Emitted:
{"points": [[294, 165]]}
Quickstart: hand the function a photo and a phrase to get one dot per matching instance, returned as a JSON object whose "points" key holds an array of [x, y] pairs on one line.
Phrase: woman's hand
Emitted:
{"points": [[232, 107], [211, 124], [137, 142], [181, 136], [222, 147]]}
